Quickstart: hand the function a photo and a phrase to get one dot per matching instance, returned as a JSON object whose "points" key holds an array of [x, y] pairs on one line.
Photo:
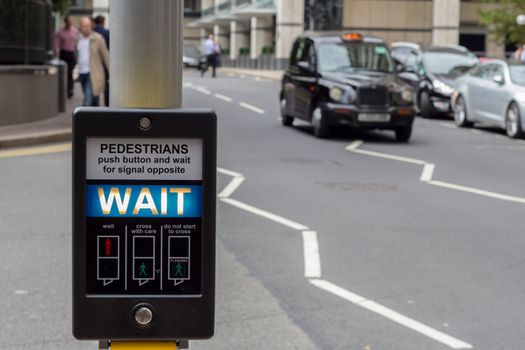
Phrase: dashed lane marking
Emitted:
{"points": [[31, 151], [202, 90], [428, 172], [251, 107], [312, 267], [222, 97]]}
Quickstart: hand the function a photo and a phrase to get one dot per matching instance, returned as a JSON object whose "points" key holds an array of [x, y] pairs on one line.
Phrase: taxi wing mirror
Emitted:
{"points": [[306, 66]]}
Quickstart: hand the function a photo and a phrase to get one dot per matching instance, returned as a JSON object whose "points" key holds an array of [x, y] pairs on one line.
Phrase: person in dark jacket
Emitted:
{"points": [[101, 29]]}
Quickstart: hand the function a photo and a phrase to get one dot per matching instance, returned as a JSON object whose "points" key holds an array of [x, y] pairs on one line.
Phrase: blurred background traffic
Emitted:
{"points": [[435, 45]]}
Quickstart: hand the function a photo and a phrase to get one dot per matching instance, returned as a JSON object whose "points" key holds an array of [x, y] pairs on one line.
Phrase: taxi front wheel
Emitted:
{"points": [[285, 118], [403, 134], [320, 129]]}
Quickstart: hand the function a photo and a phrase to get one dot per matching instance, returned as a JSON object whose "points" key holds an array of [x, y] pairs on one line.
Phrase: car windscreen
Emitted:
{"points": [[448, 63], [191, 51], [517, 74], [334, 57]]}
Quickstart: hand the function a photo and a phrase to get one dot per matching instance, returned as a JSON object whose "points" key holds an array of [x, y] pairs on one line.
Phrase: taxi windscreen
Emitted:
{"points": [[335, 57]]}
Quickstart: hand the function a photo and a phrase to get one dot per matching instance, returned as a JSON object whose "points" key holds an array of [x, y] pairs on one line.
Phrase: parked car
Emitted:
{"points": [[493, 94], [345, 79], [191, 56], [433, 72]]}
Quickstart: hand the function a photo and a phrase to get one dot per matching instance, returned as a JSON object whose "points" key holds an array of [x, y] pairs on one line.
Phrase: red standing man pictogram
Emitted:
{"points": [[107, 244]]}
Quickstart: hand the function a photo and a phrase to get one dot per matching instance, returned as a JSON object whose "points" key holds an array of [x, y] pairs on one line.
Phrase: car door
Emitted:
{"points": [[290, 80], [477, 107], [303, 76], [492, 94]]}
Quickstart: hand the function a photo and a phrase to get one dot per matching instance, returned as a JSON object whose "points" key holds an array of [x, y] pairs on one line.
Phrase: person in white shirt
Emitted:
{"points": [[93, 59], [211, 50]]}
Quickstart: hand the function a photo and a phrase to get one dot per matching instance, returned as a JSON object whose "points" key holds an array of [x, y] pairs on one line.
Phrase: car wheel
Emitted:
{"points": [[513, 122], [460, 113], [320, 129], [425, 106], [285, 118], [403, 134]]}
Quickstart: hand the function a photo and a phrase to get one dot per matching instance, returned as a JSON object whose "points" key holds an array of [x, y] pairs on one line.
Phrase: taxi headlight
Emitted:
{"points": [[407, 95], [336, 94]]}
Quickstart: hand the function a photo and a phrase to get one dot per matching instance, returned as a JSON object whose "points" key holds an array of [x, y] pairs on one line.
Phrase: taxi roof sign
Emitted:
{"points": [[352, 37]]}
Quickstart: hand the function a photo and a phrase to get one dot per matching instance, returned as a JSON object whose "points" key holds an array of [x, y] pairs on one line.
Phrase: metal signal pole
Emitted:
{"points": [[146, 72], [146, 53]]}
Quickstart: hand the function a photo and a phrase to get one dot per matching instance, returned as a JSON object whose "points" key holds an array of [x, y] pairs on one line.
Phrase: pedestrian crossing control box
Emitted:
{"points": [[144, 197]]}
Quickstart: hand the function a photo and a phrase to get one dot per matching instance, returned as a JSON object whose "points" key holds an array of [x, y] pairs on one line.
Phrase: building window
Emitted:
{"points": [[191, 5], [473, 42], [76, 3], [323, 14], [192, 8]]}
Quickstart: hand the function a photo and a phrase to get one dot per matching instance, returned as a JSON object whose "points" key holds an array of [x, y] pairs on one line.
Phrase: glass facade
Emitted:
{"points": [[323, 14]]}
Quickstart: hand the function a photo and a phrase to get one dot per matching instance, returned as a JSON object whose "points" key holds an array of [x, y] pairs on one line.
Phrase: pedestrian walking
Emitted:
{"points": [[519, 54], [212, 51], [65, 43], [100, 28], [93, 60]]}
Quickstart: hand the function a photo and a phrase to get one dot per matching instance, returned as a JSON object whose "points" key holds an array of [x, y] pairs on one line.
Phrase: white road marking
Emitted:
{"points": [[31, 151], [428, 171], [257, 79], [222, 97], [312, 267], [476, 131], [478, 191], [251, 108], [392, 315], [231, 187], [353, 147], [312, 260], [21, 292], [202, 90], [265, 214]]}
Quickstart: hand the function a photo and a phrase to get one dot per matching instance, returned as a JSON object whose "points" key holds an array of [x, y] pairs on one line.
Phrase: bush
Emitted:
{"points": [[270, 50]]}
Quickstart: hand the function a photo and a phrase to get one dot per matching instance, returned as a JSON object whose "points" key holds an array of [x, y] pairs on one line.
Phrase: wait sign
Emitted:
{"points": [[144, 224]]}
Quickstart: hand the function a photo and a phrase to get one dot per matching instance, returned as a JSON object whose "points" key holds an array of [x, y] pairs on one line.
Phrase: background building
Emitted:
{"points": [[259, 33]]}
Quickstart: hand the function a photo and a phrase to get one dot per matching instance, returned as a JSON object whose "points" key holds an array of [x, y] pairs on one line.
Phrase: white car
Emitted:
{"points": [[493, 94]]}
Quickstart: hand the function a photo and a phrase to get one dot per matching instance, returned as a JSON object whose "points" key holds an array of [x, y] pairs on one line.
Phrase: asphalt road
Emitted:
{"points": [[322, 244]]}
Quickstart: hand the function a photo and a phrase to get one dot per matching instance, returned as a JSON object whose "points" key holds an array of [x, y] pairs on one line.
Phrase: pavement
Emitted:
{"points": [[58, 128]]}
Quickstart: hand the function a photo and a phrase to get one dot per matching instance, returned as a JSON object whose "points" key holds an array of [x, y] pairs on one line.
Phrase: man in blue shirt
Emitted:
{"points": [[211, 50], [100, 28]]}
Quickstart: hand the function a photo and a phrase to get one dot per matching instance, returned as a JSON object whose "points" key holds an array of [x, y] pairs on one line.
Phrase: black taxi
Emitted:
{"points": [[347, 79]]}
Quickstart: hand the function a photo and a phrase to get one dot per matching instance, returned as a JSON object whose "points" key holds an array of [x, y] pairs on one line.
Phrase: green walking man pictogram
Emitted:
{"points": [[142, 270], [179, 270]]}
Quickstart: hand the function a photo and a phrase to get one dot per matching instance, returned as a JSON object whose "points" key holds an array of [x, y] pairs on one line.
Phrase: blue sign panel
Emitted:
{"points": [[147, 201]]}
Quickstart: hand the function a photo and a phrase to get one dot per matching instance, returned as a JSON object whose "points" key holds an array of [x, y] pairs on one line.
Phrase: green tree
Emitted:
{"points": [[60, 6], [500, 18]]}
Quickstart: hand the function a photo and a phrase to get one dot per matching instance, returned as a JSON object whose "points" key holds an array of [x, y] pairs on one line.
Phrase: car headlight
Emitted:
{"points": [[407, 95], [442, 88], [336, 94]]}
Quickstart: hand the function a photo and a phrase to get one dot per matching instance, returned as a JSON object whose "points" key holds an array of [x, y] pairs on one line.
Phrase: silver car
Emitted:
{"points": [[493, 94]]}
